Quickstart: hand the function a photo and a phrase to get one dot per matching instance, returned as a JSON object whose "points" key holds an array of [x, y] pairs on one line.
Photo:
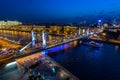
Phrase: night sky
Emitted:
{"points": [[54, 10]]}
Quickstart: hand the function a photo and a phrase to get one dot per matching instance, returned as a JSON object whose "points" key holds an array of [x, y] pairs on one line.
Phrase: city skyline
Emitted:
{"points": [[57, 11]]}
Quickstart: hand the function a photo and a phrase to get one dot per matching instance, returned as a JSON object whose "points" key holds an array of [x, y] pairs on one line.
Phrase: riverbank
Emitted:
{"points": [[106, 41], [88, 63]]}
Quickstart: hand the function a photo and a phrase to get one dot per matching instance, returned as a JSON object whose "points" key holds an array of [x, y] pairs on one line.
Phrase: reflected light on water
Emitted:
{"points": [[96, 53], [75, 43], [116, 47], [50, 37], [80, 42]]}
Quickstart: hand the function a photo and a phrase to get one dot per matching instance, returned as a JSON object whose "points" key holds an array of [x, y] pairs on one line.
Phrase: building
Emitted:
{"points": [[70, 30], [55, 29], [10, 23], [2, 23]]}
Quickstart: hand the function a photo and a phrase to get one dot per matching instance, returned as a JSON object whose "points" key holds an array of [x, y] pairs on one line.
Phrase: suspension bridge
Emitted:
{"points": [[38, 43]]}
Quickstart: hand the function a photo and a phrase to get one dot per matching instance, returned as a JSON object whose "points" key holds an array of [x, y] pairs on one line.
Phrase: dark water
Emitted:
{"points": [[89, 63]]}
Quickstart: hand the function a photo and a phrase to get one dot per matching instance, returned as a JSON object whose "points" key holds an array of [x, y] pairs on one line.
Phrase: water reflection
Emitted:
{"points": [[94, 53], [64, 47], [89, 63], [116, 47]]}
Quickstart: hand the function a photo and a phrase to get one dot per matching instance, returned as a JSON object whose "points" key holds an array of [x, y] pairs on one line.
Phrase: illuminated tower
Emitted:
{"points": [[33, 38]]}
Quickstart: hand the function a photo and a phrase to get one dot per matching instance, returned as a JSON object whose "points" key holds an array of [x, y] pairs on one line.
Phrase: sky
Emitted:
{"points": [[54, 10]]}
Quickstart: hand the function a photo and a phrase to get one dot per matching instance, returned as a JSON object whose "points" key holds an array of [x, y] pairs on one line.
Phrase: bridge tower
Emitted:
{"points": [[33, 38], [88, 31], [79, 31], [44, 40]]}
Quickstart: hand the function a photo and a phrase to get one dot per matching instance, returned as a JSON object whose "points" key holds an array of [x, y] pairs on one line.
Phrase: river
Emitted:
{"points": [[89, 63]]}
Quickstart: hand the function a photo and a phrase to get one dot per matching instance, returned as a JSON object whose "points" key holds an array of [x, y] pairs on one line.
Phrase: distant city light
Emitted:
{"points": [[99, 21]]}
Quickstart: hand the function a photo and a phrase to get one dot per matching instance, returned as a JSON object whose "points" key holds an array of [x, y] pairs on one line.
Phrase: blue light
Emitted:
{"points": [[99, 21], [56, 49], [44, 52]]}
